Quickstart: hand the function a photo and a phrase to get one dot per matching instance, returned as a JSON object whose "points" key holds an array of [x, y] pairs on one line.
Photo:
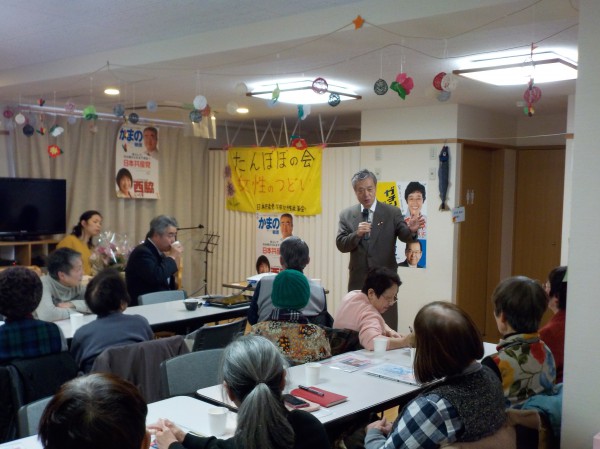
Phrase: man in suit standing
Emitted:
{"points": [[152, 265], [368, 231]]}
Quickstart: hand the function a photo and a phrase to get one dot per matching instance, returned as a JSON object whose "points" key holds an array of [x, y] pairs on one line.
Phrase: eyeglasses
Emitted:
{"points": [[392, 302]]}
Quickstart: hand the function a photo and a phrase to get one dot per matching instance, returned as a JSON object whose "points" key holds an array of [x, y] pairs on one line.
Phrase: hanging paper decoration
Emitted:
{"points": [[41, 131], [241, 89], [200, 102], [119, 110], [93, 129], [437, 80], [232, 107], [41, 102], [403, 85], [334, 100], [380, 87], [320, 86], [300, 111], [195, 116], [71, 120], [275, 94], [151, 106], [449, 82], [56, 131], [89, 113], [531, 95], [299, 143], [8, 113], [134, 118], [70, 106], [28, 130], [19, 119], [206, 111], [358, 22], [54, 151]]}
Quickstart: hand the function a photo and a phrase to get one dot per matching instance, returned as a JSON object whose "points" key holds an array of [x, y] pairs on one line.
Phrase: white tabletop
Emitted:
{"points": [[167, 312], [365, 392], [188, 413]]}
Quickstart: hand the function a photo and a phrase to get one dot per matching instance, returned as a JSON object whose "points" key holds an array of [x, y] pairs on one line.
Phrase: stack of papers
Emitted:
{"points": [[393, 372]]}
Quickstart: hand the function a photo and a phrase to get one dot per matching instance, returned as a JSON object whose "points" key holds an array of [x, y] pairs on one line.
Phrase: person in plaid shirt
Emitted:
{"points": [[22, 336], [464, 400]]}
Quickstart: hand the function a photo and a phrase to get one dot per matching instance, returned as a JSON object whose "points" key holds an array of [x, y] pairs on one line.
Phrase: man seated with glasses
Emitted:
{"points": [[153, 264], [361, 310], [413, 253]]}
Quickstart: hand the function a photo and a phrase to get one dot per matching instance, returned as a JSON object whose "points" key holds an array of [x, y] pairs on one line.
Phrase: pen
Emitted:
{"points": [[310, 390]]}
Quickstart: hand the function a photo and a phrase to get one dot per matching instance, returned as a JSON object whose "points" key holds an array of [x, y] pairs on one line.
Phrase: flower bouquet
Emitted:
{"points": [[112, 250]]}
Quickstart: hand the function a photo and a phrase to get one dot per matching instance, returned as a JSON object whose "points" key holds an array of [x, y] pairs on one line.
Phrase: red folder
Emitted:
{"points": [[327, 400]]}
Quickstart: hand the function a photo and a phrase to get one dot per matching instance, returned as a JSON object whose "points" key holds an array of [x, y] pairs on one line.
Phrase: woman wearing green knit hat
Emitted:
{"points": [[297, 339]]}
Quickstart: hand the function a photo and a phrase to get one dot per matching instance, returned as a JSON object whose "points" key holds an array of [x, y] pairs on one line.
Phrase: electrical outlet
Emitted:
{"points": [[432, 153], [432, 174], [377, 154], [377, 172]]}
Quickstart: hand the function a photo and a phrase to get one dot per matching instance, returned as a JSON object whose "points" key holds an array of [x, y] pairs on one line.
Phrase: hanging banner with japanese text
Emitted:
{"points": [[137, 162], [271, 180]]}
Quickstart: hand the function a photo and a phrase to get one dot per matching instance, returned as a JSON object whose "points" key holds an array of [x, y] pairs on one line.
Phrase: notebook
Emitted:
{"points": [[393, 372], [327, 400]]}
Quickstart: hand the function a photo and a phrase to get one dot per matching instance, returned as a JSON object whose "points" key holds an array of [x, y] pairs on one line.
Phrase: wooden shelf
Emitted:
{"points": [[27, 253]]}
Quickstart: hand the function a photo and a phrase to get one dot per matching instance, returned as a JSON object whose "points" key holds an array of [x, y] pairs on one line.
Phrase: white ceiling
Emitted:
{"points": [[171, 51]]}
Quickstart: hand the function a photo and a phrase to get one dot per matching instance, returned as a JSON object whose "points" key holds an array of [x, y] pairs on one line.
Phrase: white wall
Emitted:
{"points": [[581, 396], [433, 122]]}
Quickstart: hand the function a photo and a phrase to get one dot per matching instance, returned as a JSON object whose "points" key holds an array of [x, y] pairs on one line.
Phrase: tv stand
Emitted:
{"points": [[27, 252]]}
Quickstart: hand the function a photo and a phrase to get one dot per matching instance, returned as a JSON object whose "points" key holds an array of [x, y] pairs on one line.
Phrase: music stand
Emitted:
{"points": [[207, 246]]}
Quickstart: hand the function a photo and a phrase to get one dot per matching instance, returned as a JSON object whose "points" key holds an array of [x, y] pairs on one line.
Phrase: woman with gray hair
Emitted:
{"points": [[254, 374]]}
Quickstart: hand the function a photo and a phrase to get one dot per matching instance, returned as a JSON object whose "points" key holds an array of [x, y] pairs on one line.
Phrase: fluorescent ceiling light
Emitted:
{"points": [[301, 92], [509, 71], [242, 110], [111, 91]]}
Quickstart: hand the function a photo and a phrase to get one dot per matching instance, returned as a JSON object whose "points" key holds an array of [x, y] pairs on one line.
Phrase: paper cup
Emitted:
{"points": [[380, 345], [217, 420], [313, 373], [77, 320]]}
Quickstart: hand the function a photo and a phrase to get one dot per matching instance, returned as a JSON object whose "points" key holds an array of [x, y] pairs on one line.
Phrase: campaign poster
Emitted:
{"points": [[137, 162], [268, 239]]}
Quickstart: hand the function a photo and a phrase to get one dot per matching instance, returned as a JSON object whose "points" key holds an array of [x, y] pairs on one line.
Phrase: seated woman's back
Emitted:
{"points": [[254, 377], [106, 296]]}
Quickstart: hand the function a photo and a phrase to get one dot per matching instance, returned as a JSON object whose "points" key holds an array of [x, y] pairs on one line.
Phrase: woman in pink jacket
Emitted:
{"points": [[361, 309]]}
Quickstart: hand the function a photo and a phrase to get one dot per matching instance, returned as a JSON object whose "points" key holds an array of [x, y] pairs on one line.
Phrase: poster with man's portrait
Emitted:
{"points": [[137, 164], [413, 196]]}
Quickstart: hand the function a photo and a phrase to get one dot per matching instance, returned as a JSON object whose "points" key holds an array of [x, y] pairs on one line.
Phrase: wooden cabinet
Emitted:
{"points": [[27, 253]]}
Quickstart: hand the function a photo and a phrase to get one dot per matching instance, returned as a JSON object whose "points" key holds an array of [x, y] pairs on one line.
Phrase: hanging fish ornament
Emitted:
{"points": [[444, 175]]}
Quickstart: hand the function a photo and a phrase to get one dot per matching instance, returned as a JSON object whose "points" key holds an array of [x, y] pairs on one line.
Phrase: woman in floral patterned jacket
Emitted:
{"points": [[298, 340], [523, 362]]}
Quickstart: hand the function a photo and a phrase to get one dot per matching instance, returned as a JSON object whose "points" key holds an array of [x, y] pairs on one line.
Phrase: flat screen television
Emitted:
{"points": [[30, 207]]}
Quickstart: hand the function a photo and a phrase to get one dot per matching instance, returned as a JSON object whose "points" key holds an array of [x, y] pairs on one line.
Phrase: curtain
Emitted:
{"points": [[88, 165]]}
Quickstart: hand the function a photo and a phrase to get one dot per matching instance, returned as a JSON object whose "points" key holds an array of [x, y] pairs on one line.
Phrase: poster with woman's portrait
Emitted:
{"points": [[413, 196], [137, 164]]}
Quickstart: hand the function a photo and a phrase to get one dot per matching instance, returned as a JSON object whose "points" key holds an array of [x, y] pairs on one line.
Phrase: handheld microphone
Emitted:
{"points": [[365, 214]]}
